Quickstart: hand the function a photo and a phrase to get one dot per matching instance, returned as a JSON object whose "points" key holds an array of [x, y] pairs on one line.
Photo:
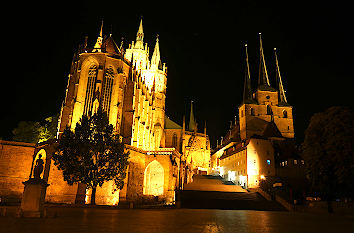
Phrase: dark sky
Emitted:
{"points": [[202, 44]]}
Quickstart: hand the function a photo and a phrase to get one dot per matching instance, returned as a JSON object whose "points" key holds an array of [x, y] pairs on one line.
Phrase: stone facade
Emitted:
{"points": [[131, 89]]}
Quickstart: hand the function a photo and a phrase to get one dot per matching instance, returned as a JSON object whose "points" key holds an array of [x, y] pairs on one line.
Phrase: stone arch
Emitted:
{"points": [[154, 179], [41, 152]]}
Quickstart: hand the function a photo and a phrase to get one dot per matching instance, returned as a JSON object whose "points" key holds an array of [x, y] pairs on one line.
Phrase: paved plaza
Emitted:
{"points": [[89, 220]]}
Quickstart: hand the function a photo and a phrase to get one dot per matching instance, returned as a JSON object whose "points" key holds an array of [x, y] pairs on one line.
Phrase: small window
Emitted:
{"points": [[268, 161], [295, 161], [282, 164], [269, 110], [303, 162], [286, 163], [285, 114], [242, 113], [252, 112]]}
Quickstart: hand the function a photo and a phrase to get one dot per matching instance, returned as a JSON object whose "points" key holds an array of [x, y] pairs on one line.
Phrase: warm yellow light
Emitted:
{"points": [[263, 177]]}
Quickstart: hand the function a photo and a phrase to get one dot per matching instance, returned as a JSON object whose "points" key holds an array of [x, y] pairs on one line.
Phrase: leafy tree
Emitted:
{"points": [[33, 132], [27, 131], [328, 151], [92, 154]]}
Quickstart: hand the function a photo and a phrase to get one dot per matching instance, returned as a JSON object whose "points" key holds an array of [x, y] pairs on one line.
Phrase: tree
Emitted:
{"points": [[92, 154], [328, 153], [34, 132]]}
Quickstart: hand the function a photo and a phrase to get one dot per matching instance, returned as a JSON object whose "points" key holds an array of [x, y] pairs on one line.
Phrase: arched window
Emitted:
{"points": [[154, 179], [252, 111], [174, 140], [285, 114], [269, 110], [107, 89], [90, 89]]}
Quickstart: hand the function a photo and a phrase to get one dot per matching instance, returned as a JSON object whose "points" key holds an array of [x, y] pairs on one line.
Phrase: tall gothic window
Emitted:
{"points": [[107, 90], [174, 140], [90, 89]]}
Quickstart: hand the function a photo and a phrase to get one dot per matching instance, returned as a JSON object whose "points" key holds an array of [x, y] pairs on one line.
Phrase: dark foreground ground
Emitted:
{"points": [[176, 220]]}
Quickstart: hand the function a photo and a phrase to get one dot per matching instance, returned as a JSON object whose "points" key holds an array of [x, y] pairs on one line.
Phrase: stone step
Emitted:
{"points": [[226, 200]]}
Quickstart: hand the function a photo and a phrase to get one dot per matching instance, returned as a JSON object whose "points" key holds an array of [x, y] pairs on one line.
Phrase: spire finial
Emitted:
{"points": [[280, 83]]}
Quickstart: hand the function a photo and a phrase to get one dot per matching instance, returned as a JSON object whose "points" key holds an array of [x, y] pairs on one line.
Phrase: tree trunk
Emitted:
{"points": [[93, 196]]}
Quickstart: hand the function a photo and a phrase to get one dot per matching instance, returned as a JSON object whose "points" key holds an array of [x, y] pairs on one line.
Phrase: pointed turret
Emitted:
{"points": [[98, 45], [282, 97], [247, 90], [192, 123], [139, 43], [156, 59], [263, 80]]}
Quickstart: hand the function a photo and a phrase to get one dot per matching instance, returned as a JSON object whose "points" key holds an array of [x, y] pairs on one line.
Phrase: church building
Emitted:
{"points": [[248, 152], [130, 86]]}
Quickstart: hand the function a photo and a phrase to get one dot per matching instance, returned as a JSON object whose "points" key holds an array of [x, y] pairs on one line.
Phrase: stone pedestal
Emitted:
{"points": [[32, 204]]}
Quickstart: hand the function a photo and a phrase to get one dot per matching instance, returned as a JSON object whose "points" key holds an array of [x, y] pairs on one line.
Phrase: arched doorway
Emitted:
{"points": [[154, 179]]}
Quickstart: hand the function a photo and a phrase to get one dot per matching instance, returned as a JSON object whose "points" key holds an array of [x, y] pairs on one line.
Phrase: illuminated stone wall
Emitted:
{"points": [[196, 149], [59, 191], [15, 167], [246, 163]]}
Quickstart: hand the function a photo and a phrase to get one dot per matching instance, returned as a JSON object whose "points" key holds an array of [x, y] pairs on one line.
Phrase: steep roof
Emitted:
{"points": [[169, 124], [271, 130], [110, 45]]}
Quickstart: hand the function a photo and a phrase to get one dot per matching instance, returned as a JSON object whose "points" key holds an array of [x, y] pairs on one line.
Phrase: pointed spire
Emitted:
{"points": [[156, 59], [263, 74], [98, 45], [140, 34], [101, 34], [279, 81], [192, 123], [247, 91], [139, 43]]}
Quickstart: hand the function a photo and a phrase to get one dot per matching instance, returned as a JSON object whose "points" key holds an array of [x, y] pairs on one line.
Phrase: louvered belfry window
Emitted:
{"points": [[90, 90], [107, 90]]}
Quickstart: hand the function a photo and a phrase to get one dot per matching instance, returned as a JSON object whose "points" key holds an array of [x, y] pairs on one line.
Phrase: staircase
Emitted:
{"points": [[212, 192]]}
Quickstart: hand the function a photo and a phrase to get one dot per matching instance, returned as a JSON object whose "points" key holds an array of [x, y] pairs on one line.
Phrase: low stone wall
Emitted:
{"points": [[15, 167]]}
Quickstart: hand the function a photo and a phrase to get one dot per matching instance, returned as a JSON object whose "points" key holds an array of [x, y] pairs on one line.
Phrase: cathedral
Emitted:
{"points": [[130, 86], [249, 152]]}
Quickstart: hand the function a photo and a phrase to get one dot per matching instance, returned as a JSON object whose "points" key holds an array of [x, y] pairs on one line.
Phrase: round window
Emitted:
{"points": [[268, 97]]}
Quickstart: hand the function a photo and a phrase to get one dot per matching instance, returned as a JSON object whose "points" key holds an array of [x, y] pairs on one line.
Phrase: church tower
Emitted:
{"points": [[266, 105], [154, 76]]}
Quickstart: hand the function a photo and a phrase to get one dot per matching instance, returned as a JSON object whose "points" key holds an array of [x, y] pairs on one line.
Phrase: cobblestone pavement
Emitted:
{"points": [[176, 220]]}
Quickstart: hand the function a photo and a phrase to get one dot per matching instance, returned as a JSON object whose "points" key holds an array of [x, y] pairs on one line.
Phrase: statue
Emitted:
{"points": [[38, 168]]}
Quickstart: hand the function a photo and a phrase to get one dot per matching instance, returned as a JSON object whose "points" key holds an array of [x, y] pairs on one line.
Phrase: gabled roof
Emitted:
{"points": [[110, 46], [169, 124], [271, 130]]}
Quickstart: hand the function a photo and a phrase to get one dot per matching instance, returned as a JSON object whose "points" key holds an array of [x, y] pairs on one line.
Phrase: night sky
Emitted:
{"points": [[202, 45]]}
